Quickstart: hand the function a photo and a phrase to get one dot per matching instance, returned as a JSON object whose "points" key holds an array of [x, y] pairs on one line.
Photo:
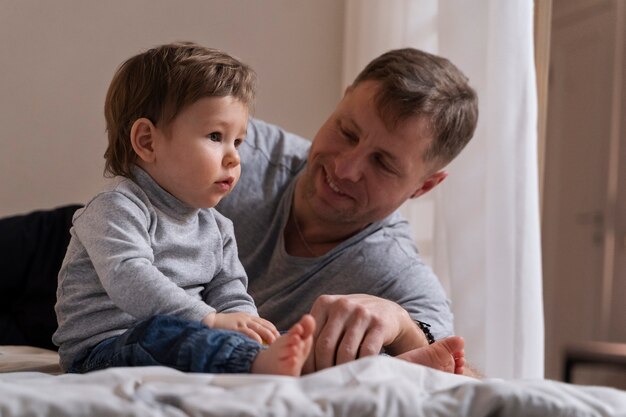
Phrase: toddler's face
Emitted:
{"points": [[197, 160]]}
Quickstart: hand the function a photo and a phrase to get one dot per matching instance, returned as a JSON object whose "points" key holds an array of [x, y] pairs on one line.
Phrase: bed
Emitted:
{"points": [[376, 386], [31, 382]]}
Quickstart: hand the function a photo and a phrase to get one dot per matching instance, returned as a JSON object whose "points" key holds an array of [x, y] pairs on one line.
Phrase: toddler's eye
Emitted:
{"points": [[238, 142], [215, 136]]}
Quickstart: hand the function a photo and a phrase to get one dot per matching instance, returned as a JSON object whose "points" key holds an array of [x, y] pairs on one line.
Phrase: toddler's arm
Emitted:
{"points": [[227, 290]]}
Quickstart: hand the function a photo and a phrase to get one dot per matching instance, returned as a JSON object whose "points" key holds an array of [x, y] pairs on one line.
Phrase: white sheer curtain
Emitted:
{"points": [[480, 228]]}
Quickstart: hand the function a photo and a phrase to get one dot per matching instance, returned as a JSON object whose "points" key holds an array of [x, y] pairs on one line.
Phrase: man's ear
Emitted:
{"points": [[142, 139], [430, 182]]}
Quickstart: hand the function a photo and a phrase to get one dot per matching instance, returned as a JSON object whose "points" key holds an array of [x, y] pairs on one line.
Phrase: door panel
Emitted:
{"points": [[577, 149]]}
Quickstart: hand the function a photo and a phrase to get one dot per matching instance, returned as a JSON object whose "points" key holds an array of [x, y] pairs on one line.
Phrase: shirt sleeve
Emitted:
{"points": [[418, 290], [408, 281]]}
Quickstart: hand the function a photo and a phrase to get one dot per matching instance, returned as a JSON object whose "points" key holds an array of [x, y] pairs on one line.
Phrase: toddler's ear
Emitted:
{"points": [[142, 139]]}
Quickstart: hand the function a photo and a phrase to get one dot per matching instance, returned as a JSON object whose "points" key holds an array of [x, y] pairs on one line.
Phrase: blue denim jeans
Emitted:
{"points": [[177, 343]]}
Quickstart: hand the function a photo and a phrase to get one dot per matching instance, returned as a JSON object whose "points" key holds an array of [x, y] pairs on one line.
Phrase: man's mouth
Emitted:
{"points": [[333, 186]]}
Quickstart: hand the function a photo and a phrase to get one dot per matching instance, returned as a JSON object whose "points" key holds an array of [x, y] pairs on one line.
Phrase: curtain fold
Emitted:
{"points": [[481, 226]]}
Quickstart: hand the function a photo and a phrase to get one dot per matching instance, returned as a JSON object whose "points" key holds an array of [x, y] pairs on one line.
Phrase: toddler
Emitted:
{"points": [[151, 275]]}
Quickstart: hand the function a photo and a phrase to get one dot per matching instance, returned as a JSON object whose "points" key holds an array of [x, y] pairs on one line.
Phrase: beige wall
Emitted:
{"points": [[57, 58]]}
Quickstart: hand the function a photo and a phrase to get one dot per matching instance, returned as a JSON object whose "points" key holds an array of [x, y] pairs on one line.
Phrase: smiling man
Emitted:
{"points": [[316, 223]]}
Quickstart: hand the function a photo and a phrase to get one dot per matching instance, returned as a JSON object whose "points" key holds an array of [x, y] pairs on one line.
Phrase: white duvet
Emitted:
{"points": [[377, 386]]}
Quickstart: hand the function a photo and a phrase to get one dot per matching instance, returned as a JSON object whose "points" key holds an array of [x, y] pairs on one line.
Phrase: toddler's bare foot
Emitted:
{"points": [[445, 354], [287, 354]]}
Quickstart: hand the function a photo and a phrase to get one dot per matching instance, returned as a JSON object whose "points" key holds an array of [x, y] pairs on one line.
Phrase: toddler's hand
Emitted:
{"points": [[255, 328]]}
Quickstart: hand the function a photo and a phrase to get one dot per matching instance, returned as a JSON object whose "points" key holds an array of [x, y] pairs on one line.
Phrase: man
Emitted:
{"points": [[316, 223]]}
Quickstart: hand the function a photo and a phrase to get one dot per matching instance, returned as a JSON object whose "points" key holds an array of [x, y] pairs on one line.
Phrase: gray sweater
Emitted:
{"points": [[136, 251], [381, 260]]}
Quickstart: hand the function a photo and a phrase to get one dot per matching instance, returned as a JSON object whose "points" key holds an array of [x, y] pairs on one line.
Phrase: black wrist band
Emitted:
{"points": [[425, 327]]}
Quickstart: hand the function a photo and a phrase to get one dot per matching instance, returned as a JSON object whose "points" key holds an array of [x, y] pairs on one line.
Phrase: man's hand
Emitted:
{"points": [[255, 328], [358, 325]]}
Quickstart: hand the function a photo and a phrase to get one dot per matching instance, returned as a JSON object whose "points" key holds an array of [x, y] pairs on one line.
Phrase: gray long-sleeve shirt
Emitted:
{"points": [[137, 251], [380, 260]]}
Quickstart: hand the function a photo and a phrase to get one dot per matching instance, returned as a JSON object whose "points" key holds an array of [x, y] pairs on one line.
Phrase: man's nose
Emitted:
{"points": [[349, 166]]}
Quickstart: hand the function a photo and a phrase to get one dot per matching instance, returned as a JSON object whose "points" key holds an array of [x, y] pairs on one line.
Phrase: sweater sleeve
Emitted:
{"points": [[227, 291], [113, 228]]}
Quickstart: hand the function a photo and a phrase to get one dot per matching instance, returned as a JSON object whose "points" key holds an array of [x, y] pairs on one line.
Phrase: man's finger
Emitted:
{"points": [[319, 311], [354, 333], [327, 342], [372, 343], [329, 332]]}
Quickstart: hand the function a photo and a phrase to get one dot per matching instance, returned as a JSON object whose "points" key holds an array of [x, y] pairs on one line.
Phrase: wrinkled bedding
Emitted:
{"points": [[376, 386]]}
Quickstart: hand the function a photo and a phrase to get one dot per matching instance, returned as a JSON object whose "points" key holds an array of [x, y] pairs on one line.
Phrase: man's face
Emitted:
{"points": [[358, 171]]}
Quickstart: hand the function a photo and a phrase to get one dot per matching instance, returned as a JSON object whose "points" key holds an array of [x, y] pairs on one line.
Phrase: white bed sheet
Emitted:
{"points": [[377, 386]]}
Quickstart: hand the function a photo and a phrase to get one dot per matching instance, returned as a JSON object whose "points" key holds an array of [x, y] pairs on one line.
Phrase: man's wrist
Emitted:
{"points": [[409, 337]]}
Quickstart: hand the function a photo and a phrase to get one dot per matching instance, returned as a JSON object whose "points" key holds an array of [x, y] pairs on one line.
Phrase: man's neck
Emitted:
{"points": [[307, 235]]}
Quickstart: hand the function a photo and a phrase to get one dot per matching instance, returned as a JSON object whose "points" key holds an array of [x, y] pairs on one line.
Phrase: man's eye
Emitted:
{"points": [[381, 163], [348, 135], [215, 136]]}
